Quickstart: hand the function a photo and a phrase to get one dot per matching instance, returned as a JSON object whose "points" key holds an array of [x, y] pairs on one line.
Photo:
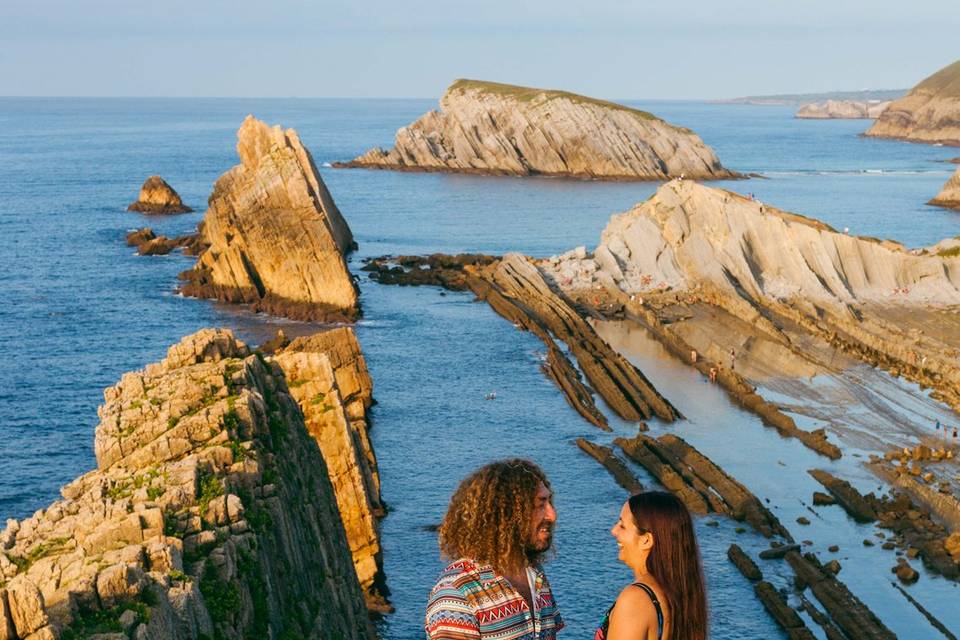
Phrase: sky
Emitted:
{"points": [[640, 49]]}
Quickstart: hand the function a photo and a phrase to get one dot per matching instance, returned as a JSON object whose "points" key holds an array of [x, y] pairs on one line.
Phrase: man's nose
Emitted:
{"points": [[550, 514]]}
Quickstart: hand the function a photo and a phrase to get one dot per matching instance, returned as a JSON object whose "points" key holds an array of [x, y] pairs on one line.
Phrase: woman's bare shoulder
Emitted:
{"points": [[634, 605]]}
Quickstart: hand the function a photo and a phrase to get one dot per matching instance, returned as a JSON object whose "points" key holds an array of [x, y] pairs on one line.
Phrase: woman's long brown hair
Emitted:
{"points": [[674, 560]]}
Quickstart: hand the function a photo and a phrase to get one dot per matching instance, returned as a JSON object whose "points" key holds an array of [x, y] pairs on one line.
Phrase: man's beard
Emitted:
{"points": [[541, 541]]}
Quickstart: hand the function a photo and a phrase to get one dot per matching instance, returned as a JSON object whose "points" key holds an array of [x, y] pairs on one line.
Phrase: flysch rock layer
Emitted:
{"points": [[929, 113], [842, 109], [887, 305], [949, 196], [210, 514], [486, 127], [327, 375], [156, 196], [276, 239]]}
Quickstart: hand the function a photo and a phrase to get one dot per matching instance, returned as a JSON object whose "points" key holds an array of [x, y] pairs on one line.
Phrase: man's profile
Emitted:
{"points": [[497, 529]]}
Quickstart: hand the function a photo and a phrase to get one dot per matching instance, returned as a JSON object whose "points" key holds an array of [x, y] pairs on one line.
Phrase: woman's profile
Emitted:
{"points": [[667, 599]]}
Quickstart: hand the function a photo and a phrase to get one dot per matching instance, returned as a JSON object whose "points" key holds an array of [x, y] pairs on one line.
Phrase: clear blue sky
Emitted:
{"points": [[414, 48]]}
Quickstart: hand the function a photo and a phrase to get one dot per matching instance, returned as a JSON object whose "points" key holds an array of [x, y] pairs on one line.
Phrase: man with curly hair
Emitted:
{"points": [[497, 529]]}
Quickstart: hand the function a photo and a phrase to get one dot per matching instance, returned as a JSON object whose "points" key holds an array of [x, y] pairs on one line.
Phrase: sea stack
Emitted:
{"points": [[211, 514], [156, 196], [929, 113], [492, 128], [276, 238], [842, 110], [949, 196]]}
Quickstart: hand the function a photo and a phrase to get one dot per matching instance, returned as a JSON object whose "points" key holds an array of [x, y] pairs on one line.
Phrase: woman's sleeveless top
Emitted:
{"points": [[601, 633]]}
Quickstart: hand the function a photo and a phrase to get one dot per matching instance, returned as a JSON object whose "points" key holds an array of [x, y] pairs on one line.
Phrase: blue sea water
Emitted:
{"points": [[80, 309]]}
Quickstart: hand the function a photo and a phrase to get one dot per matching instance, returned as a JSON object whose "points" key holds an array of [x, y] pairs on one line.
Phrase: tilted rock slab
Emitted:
{"points": [[487, 127], [949, 196], [276, 239], [929, 113], [156, 196], [327, 375], [210, 514], [842, 109]]}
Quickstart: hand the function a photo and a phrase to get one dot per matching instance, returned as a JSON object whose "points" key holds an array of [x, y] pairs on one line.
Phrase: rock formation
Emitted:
{"points": [[842, 109], [949, 196], [486, 127], [276, 239], [777, 271], [327, 375], [156, 196], [929, 113], [149, 243], [210, 514]]}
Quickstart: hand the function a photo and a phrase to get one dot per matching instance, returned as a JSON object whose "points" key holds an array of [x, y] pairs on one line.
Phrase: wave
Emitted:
{"points": [[857, 172]]}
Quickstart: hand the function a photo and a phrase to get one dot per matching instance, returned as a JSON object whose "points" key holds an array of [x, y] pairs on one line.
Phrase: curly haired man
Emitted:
{"points": [[497, 529]]}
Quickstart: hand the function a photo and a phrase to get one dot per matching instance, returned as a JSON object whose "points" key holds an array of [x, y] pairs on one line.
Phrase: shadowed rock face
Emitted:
{"points": [[486, 127], [949, 196], [842, 109], [210, 514], [929, 113], [156, 196], [276, 239]]}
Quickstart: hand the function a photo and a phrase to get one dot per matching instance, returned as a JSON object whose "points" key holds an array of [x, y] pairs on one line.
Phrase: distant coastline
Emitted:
{"points": [[796, 99]]}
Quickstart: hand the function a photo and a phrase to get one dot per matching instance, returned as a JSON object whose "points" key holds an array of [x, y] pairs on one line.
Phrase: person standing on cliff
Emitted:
{"points": [[497, 530]]}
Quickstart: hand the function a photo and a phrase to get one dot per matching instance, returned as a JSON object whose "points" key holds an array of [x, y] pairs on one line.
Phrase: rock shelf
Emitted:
{"points": [[613, 464]]}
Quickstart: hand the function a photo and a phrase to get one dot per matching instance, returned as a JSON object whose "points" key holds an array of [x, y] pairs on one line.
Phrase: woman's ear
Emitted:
{"points": [[645, 541]]}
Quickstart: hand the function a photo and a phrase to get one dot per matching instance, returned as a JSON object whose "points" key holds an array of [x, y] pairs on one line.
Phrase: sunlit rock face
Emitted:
{"points": [[842, 109], [929, 113], [156, 196], [210, 514], [487, 127], [949, 196], [276, 239]]}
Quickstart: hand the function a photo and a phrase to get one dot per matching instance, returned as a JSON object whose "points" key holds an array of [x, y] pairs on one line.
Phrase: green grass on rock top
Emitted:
{"points": [[944, 83]]}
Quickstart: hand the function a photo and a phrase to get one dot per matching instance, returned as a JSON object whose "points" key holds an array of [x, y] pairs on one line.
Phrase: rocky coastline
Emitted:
{"points": [[949, 196], [212, 511], [930, 113], [499, 129]]}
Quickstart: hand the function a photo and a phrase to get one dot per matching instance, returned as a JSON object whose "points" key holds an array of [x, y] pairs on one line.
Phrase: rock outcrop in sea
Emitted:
{"points": [[929, 113], [842, 109], [211, 512], [949, 196], [156, 196], [276, 238], [487, 127]]}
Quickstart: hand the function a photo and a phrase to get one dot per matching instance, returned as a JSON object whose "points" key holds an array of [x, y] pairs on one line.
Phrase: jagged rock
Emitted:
{"points": [[149, 243], [748, 568], [276, 239], [778, 552], [821, 499], [857, 505], [832, 567], [905, 573], [487, 127], [929, 113], [949, 196], [620, 472], [210, 514], [156, 196], [842, 109], [327, 376]]}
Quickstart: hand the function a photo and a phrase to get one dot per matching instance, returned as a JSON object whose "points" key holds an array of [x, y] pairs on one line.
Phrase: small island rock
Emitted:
{"points": [[493, 128], [949, 196], [156, 196]]}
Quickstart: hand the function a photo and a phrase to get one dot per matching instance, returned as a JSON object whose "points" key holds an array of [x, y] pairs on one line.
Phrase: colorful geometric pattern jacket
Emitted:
{"points": [[472, 601]]}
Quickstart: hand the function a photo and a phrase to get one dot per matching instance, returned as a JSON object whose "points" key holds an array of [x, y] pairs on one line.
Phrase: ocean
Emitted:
{"points": [[80, 309]]}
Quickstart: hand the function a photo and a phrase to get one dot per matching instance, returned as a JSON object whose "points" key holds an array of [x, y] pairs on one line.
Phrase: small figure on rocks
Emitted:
{"points": [[693, 356], [713, 374]]}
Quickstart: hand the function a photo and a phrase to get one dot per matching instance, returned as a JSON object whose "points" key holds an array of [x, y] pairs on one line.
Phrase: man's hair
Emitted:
{"points": [[490, 514]]}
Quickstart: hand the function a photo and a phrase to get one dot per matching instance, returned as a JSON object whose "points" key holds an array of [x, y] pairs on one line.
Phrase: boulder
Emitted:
{"points": [[156, 196], [949, 196], [275, 237], [488, 127]]}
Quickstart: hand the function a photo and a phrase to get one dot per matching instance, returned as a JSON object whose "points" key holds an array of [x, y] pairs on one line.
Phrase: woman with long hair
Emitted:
{"points": [[667, 599]]}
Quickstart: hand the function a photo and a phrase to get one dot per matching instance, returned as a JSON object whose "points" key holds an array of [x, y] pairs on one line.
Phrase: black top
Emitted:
{"points": [[601, 633]]}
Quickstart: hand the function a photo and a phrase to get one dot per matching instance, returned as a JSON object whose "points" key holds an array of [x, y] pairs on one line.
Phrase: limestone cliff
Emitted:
{"points": [[486, 127], [156, 196], [949, 196], [842, 109], [276, 239], [771, 268], [210, 514], [929, 113], [327, 375]]}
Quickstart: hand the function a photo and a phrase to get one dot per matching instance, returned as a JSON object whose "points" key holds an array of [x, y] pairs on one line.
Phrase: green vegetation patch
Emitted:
{"points": [[221, 597], [49, 547], [528, 94], [90, 623], [944, 83], [210, 487], [952, 252]]}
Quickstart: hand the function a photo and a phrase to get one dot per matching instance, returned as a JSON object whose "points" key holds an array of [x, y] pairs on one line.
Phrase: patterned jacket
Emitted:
{"points": [[471, 601]]}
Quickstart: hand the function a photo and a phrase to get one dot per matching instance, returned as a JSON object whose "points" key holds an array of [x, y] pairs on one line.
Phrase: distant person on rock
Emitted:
{"points": [[667, 598], [497, 530]]}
